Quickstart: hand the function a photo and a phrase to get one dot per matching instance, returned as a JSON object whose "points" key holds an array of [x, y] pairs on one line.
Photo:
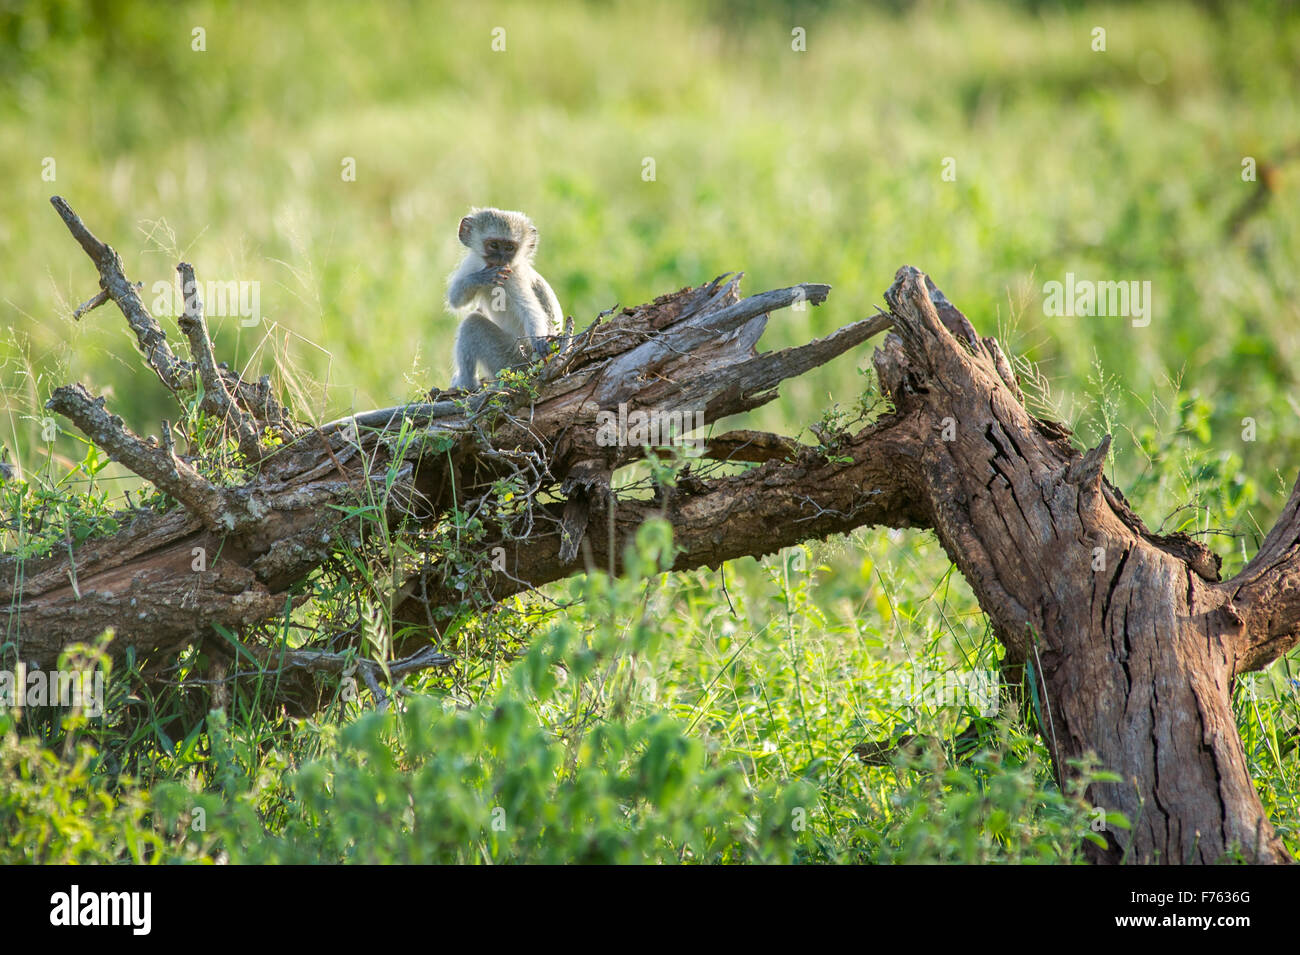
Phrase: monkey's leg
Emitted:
{"points": [[479, 339]]}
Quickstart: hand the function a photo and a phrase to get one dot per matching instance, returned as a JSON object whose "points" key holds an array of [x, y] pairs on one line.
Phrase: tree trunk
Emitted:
{"points": [[1131, 639]]}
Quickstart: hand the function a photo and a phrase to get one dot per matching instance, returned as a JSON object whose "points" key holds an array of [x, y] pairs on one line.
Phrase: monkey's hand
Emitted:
{"points": [[489, 276]]}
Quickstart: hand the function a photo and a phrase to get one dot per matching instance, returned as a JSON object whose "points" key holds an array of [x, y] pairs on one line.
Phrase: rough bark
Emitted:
{"points": [[1134, 639], [1131, 637]]}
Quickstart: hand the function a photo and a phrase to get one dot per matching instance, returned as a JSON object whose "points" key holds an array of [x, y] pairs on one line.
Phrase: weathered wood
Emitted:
{"points": [[261, 538], [1130, 636], [177, 375], [217, 399], [1135, 647]]}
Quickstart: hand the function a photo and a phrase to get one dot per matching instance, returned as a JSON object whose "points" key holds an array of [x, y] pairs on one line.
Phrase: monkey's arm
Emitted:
{"points": [[466, 284], [542, 316]]}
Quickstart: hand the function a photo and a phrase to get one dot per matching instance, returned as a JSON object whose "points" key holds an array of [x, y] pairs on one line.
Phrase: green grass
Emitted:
{"points": [[816, 166]]}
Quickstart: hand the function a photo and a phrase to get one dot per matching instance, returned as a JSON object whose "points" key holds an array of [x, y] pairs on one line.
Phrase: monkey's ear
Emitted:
{"points": [[465, 224]]}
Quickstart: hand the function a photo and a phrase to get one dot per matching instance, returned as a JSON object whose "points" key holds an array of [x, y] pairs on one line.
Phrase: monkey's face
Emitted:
{"points": [[499, 252]]}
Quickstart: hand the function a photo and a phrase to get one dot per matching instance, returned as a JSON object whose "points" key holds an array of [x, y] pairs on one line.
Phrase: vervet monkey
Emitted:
{"points": [[508, 307]]}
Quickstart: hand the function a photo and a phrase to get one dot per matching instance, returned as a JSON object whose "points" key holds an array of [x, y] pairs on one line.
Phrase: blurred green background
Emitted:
{"points": [[823, 165]]}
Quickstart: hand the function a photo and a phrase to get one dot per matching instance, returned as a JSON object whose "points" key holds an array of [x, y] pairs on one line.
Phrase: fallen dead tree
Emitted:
{"points": [[1131, 637]]}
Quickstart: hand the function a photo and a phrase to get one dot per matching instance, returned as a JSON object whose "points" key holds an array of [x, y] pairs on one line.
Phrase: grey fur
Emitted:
{"points": [[504, 307]]}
